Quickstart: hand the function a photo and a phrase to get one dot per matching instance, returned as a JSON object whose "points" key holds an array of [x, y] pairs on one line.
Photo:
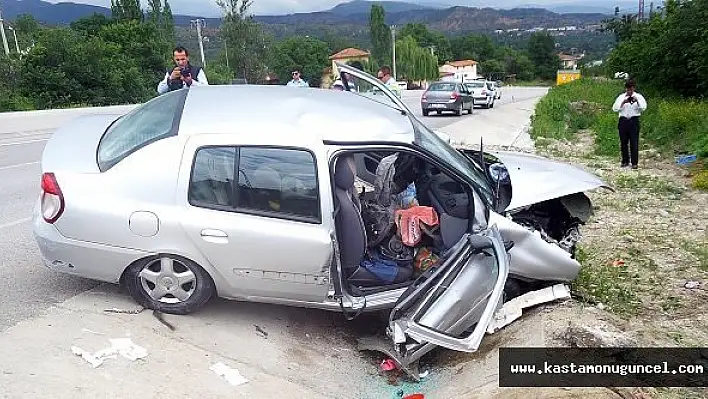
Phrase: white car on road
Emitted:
{"points": [[481, 94]]}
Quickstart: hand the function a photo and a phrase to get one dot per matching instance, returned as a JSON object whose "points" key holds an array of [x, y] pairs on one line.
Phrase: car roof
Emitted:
{"points": [[257, 110]]}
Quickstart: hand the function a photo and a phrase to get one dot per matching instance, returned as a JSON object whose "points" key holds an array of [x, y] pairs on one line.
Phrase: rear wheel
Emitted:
{"points": [[425, 112], [170, 284]]}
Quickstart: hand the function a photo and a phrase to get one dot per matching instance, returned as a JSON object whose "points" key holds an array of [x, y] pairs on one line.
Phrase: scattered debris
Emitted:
{"points": [[512, 310], [618, 263], [261, 331], [424, 374], [685, 159], [161, 318], [123, 346], [232, 376], [692, 285], [388, 365], [125, 311], [86, 330]]}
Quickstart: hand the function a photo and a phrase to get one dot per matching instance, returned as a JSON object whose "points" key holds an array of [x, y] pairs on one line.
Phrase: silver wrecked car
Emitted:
{"points": [[336, 201]]}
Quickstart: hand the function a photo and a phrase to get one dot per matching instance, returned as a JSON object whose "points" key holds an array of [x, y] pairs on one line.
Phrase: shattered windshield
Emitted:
{"points": [[453, 158]]}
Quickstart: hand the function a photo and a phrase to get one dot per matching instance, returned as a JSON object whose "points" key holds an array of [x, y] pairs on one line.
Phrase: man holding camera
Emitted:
{"points": [[183, 74], [630, 106]]}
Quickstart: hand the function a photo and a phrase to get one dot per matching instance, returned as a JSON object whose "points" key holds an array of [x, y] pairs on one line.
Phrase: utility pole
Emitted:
{"points": [[199, 22], [4, 38], [393, 44], [640, 14], [14, 33]]}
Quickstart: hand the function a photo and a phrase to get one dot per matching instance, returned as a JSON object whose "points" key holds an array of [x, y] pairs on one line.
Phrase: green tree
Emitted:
{"points": [[475, 47], [414, 62], [307, 54], [91, 25], [245, 39], [669, 52], [126, 10], [542, 52], [380, 35], [429, 40]]}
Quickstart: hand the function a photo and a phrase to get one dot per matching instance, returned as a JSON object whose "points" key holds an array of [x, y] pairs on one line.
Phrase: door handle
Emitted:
{"points": [[215, 236], [214, 233]]}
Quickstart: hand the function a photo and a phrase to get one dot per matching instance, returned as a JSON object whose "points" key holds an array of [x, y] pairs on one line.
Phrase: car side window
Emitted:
{"points": [[212, 181], [278, 181], [154, 120]]}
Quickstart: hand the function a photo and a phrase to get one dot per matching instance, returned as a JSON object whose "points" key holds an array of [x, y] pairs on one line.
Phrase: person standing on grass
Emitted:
{"points": [[630, 106]]}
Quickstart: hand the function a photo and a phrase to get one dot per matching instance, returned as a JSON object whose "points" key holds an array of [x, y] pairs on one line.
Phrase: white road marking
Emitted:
{"points": [[23, 142], [19, 165], [15, 223]]}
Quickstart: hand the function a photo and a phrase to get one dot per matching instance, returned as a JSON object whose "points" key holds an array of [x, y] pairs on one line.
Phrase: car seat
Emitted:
{"points": [[351, 233], [266, 189]]}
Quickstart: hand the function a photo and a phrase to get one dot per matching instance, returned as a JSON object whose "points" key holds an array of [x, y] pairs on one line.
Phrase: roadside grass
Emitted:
{"points": [[672, 126]]}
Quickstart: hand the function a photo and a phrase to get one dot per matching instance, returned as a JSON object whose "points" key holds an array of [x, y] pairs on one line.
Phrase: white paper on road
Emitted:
{"points": [[232, 376], [123, 346]]}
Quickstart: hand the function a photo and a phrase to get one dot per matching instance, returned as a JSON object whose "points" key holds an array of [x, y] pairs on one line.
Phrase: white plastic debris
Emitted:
{"points": [[128, 349], [512, 310], [232, 376], [123, 346], [424, 374], [95, 359], [692, 285]]}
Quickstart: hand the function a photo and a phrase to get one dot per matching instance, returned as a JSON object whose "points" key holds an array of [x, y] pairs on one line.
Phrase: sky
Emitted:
{"points": [[208, 8]]}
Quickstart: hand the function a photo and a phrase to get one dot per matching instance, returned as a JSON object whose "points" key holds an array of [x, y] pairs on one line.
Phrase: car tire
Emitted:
{"points": [[174, 297], [458, 111], [426, 113]]}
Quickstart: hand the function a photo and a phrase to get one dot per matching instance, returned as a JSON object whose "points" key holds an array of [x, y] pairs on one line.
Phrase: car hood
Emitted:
{"points": [[536, 179]]}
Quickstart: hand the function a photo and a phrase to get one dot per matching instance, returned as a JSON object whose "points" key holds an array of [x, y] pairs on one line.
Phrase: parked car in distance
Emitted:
{"points": [[446, 96], [481, 95], [493, 86]]}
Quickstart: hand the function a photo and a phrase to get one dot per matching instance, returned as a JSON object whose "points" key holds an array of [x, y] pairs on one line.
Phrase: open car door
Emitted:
{"points": [[452, 305], [366, 85]]}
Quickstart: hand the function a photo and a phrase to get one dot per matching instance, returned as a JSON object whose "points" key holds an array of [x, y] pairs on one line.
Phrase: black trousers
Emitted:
{"points": [[629, 139]]}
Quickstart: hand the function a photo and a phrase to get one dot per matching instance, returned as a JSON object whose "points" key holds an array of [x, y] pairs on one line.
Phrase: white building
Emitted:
{"points": [[459, 71]]}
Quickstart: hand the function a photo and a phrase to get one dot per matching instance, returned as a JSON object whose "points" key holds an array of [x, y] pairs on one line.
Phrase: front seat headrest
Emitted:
{"points": [[344, 172]]}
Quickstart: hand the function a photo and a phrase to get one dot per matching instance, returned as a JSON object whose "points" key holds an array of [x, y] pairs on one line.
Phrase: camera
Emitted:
{"points": [[185, 72]]}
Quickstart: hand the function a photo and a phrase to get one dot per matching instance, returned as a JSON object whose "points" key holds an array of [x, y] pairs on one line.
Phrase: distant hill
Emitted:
{"points": [[347, 18], [363, 7]]}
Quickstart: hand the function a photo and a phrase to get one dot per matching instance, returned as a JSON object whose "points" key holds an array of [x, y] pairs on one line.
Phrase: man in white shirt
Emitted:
{"points": [[630, 106], [297, 81], [183, 74], [384, 76]]}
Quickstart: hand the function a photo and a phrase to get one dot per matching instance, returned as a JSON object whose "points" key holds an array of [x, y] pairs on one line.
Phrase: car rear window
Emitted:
{"points": [[271, 181], [475, 85], [147, 123], [442, 87]]}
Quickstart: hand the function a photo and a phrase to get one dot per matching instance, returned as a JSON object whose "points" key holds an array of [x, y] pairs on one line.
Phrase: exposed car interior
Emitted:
{"points": [[396, 216]]}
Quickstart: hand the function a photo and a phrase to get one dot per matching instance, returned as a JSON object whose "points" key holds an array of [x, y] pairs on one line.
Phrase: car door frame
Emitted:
{"points": [[409, 327], [317, 280]]}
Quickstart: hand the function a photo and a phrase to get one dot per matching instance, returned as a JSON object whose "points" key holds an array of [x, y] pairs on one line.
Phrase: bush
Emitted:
{"points": [[672, 125], [700, 180]]}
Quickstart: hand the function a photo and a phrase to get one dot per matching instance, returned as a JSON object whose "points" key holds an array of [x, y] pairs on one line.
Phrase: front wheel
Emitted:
{"points": [[170, 284]]}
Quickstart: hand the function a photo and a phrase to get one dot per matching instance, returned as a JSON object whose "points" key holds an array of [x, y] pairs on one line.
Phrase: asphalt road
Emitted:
{"points": [[27, 288]]}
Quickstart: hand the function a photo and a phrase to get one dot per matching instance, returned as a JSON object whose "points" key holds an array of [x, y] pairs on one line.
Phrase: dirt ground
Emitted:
{"points": [[645, 260]]}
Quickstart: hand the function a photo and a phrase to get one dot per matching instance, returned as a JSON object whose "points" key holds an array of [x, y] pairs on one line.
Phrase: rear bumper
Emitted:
{"points": [[482, 100], [440, 106], [81, 258]]}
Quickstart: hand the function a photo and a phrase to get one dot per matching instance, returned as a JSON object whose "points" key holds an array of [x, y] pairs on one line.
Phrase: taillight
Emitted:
{"points": [[425, 96], [484, 92], [52, 198], [454, 96]]}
